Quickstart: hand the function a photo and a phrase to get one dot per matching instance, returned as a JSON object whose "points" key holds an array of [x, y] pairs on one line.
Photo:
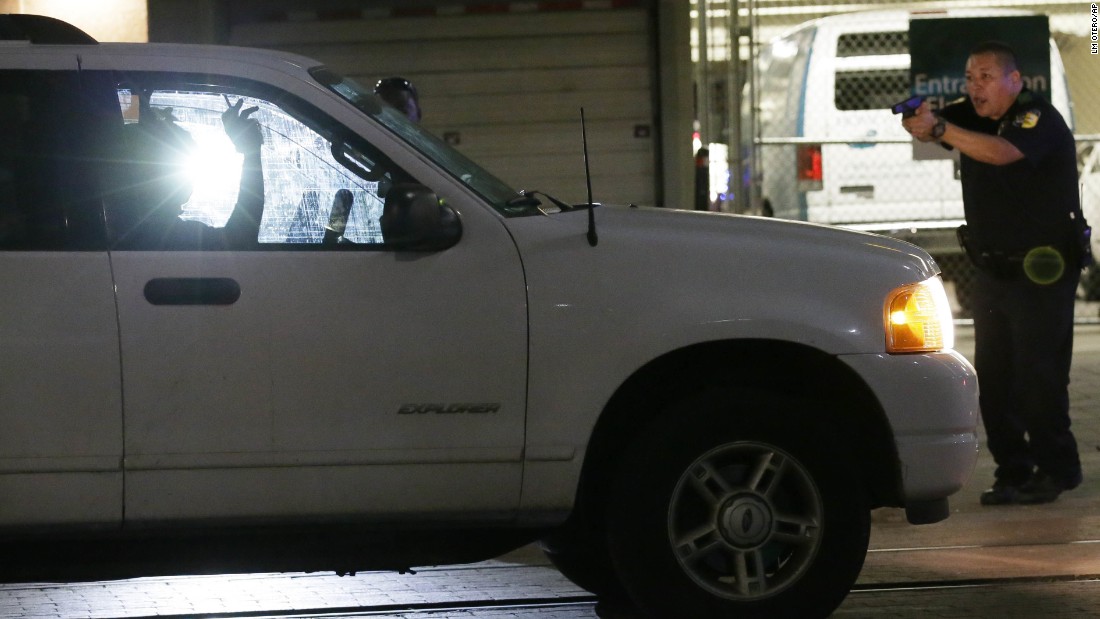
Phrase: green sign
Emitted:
{"points": [[939, 48]]}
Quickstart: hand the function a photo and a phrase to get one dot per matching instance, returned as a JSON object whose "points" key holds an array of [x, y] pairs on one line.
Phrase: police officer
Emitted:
{"points": [[1023, 233]]}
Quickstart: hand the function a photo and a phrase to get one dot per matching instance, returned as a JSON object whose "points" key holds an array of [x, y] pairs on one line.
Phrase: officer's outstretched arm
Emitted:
{"points": [[992, 149]]}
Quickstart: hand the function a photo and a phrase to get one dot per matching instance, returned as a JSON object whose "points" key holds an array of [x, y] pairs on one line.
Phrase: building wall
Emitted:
{"points": [[106, 20]]}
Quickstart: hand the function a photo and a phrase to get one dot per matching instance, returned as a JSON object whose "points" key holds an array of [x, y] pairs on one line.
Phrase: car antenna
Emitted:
{"points": [[593, 238]]}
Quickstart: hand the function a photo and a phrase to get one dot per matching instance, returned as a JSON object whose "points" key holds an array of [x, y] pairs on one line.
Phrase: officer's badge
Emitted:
{"points": [[1029, 119]]}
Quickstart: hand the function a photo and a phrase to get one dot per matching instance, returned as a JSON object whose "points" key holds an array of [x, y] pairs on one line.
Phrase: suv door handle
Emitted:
{"points": [[192, 291]]}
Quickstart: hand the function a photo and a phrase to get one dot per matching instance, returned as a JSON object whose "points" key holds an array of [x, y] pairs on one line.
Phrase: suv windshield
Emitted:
{"points": [[494, 190]]}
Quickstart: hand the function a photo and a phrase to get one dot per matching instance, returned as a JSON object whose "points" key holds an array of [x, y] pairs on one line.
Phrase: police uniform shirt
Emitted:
{"points": [[1027, 203]]}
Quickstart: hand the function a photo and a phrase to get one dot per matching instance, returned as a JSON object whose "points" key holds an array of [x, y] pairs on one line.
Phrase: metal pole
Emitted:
{"points": [[702, 72], [756, 206], [733, 107]]}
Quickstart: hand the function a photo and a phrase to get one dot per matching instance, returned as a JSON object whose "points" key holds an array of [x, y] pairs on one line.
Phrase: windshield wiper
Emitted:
{"points": [[530, 198]]}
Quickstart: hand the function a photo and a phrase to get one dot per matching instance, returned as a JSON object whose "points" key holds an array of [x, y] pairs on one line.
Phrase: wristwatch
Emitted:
{"points": [[939, 128]]}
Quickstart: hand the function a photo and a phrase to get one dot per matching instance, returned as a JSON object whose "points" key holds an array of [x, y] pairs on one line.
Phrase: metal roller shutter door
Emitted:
{"points": [[506, 87]]}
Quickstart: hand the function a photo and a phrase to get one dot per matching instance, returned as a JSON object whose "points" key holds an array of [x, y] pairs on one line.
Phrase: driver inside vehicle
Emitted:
{"points": [[154, 185]]}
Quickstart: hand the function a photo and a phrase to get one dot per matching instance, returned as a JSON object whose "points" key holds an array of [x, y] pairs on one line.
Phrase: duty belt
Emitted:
{"points": [[1042, 264]]}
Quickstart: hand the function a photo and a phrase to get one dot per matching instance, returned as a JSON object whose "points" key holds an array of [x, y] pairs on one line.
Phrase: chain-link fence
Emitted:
{"points": [[814, 139]]}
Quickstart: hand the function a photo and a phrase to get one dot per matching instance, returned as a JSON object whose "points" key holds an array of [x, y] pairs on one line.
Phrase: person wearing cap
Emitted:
{"points": [[401, 94]]}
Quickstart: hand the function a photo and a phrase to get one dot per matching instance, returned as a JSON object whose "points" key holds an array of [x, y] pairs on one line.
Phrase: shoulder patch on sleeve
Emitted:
{"points": [[1028, 119]]}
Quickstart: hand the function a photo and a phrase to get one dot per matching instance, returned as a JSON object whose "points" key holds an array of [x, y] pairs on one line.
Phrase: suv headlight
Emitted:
{"points": [[918, 318]]}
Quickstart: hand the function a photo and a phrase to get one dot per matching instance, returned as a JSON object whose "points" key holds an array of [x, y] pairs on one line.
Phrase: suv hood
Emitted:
{"points": [[684, 272]]}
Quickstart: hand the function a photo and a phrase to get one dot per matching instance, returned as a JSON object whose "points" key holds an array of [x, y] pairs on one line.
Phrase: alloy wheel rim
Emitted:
{"points": [[745, 521]]}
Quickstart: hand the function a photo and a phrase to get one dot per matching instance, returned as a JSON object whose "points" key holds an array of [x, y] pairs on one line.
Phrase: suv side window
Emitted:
{"points": [[176, 170], [46, 173]]}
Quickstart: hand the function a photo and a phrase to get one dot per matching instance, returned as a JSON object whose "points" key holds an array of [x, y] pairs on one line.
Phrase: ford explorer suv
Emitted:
{"points": [[255, 320]]}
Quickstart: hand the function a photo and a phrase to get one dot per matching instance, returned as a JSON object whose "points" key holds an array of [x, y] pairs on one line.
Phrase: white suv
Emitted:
{"points": [[350, 347]]}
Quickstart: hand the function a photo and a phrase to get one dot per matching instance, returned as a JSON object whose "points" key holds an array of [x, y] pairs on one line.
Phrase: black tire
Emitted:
{"points": [[723, 483], [580, 554], [587, 566]]}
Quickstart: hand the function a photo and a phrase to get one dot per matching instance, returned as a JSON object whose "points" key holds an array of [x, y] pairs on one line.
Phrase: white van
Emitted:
{"points": [[829, 148], [1090, 206]]}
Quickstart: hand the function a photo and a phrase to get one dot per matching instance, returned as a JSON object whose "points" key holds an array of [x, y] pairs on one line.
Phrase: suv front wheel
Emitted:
{"points": [[733, 506]]}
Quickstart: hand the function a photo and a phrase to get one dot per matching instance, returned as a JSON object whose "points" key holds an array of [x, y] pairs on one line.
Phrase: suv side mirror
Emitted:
{"points": [[414, 219]]}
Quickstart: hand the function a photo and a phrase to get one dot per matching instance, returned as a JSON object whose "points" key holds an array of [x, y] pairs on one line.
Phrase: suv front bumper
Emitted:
{"points": [[931, 401]]}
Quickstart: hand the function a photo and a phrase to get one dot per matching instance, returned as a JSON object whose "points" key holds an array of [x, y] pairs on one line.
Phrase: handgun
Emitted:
{"points": [[908, 108]]}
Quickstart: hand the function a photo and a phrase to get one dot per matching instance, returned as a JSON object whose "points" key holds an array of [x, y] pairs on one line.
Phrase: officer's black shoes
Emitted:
{"points": [[1002, 493], [1043, 488], [1039, 488]]}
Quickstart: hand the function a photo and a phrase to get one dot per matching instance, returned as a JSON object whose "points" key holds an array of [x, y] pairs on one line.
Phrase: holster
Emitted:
{"points": [[1005, 265]]}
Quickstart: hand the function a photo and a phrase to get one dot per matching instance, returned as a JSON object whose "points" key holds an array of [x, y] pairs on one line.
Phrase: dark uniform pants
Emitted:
{"points": [[1023, 347]]}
